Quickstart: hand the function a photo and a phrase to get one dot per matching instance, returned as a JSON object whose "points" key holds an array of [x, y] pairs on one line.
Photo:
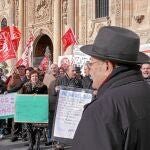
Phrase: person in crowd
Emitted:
{"points": [[15, 84], [21, 72], [145, 69], [86, 80], [52, 100], [41, 74], [69, 79], [118, 119], [34, 86], [78, 75], [61, 71], [27, 73], [2, 76], [3, 88], [24, 125]]}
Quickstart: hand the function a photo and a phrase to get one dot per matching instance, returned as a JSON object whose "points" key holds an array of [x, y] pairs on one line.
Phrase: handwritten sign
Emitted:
{"points": [[7, 105], [69, 111], [31, 108]]}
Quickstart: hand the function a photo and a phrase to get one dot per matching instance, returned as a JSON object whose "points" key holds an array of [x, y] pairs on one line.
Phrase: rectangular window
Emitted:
{"points": [[102, 8]]}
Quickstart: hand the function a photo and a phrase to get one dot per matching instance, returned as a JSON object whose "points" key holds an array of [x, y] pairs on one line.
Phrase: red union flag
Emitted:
{"points": [[6, 48], [24, 60], [15, 35], [68, 39]]}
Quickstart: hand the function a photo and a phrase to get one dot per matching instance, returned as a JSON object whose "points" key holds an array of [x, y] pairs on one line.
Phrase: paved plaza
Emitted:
{"points": [[6, 144]]}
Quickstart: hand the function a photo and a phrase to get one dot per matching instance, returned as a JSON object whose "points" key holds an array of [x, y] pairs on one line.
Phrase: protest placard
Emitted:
{"points": [[7, 105], [70, 106], [31, 108]]}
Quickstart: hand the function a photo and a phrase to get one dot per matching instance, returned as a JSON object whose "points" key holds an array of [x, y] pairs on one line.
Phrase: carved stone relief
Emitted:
{"points": [[95, 26], [4, 4], [41, 9], [113, 7], [16, 11], [83, 22], [64, 11], [30, 12], [140, 11], [118, 12], [144, 36]]}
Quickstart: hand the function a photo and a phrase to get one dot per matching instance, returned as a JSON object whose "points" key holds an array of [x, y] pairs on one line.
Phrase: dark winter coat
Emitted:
{"points": [[3, 87], [86, 82], [39, 88], [66, 81], [119, 119]]}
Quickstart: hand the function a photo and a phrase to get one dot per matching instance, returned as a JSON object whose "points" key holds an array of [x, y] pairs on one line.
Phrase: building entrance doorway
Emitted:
{"points": [[42, 47]]}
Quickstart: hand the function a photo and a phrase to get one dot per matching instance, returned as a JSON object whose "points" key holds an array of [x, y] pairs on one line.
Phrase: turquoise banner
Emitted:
{"points": [[31, 108]]}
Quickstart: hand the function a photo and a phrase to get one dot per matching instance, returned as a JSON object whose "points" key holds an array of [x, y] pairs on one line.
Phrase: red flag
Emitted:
{"points": [[6, 48], [68, 39], [15, 35], [24, 60], [44, 63]]}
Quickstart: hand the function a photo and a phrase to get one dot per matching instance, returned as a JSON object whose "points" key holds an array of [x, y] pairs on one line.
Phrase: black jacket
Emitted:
{"points": [[66, 81], [119, 119], [86, 82], [39, 88], [2, 86]]}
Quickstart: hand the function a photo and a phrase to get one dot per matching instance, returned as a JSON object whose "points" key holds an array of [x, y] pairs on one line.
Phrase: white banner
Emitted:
{"points": [[78, 58], [7, 104], [69, 111], [145, 48]]}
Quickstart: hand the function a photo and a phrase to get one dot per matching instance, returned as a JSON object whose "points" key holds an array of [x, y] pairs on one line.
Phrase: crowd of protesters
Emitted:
{"points": [[32, 80]]}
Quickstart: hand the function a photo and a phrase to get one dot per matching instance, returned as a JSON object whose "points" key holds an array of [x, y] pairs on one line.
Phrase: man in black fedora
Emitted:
{"points": [[119, 118]]}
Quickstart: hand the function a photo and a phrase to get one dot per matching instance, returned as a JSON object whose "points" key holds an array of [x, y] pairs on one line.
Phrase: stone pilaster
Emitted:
{"points": [[57, 31], [71, 14], [21, 26], [70, 21]]}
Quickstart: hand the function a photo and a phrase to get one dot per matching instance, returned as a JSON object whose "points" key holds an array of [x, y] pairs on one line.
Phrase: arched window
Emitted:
{"points": [[101, 8], [4, 23]]}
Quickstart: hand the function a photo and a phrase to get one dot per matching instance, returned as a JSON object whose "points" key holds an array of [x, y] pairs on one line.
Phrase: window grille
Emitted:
{"points": [[102, 8]]}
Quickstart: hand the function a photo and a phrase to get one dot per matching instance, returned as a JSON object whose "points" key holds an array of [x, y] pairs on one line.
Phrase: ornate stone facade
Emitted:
{"points": [[54, 17]]}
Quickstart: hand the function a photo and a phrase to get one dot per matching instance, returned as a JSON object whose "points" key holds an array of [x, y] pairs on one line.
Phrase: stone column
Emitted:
{"points": [[57, 31], [20, 6]]}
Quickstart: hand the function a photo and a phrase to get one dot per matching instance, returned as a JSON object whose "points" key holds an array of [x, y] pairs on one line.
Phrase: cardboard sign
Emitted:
{"points": [[31, 108]]}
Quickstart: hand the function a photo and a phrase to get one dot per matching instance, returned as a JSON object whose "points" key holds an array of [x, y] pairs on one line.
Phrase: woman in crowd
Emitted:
{"points": [[34, 86]]}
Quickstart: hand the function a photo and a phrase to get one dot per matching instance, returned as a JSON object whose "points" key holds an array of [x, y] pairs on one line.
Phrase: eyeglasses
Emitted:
{"points": [[91, 63]]}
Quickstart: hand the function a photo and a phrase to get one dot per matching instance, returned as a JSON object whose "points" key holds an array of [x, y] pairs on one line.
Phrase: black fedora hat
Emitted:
{"points": [[117, 44]]}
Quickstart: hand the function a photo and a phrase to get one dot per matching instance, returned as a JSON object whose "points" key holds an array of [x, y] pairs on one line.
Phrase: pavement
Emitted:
{"points": [[6, 144]]}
